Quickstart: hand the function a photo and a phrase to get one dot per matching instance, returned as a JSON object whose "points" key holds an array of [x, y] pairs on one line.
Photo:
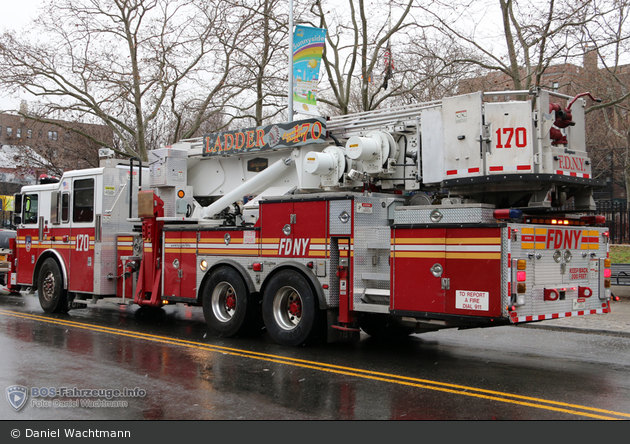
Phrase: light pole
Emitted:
{"points": [[290, 95]]}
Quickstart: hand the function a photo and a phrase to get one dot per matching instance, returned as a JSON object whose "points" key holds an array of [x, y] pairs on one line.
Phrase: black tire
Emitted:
{"points": [[383, 326], [52, 296], [291, 311], [228, 307]]}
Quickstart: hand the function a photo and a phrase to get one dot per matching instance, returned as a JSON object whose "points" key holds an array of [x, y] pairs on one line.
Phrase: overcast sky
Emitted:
{"points": [[15, 16]]}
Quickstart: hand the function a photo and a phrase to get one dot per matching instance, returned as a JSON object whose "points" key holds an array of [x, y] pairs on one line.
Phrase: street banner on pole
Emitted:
{"points": [[308, 46]]}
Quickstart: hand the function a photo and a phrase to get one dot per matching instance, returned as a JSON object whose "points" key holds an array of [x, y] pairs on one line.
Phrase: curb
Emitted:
{"points": [[620, 334]]}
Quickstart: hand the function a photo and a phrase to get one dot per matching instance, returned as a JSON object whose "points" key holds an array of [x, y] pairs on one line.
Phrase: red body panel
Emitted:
{"points": [[307, 222], [414, 287], [470, 259], [180, 258], [81, 276], [28, 251]]}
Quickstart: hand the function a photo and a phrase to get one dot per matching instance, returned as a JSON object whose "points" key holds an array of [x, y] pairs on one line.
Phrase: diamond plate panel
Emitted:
{"points": [[372, 239], [333, 289], [168, 167], [505, 275], [336, 224], [445, 214], [544, 272], [115, 211]]}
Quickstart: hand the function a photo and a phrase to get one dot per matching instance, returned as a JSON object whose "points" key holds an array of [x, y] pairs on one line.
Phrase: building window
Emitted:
{"points": [[39, 134], [52, 135], [554, 86], [29, 133], [18, 133], [9, 131]]}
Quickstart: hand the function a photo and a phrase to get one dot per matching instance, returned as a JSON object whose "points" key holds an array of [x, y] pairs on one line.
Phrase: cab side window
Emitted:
{"points": [[30, 208], [65, 207], [82, 201]]}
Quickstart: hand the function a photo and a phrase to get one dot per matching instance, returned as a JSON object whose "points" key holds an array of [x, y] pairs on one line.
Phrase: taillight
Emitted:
{"points": [[521, 276], [591, 220]]}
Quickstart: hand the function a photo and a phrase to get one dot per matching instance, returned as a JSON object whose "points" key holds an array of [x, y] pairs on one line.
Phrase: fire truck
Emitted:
{"points": [[466, 212]]}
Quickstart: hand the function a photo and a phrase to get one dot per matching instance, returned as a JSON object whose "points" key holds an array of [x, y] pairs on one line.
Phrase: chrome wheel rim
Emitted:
{"points": [[224, 302], [48, 286], [287, 308]]}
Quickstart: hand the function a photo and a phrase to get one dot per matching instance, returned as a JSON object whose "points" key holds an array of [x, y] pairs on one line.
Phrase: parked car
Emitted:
{"points": [[5, 235]]}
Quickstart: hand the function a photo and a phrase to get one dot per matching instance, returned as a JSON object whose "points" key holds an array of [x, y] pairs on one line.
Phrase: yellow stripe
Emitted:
{"points": [[445, 255], [251, 252], [180, 250], [270, 240], [450, 255], [471, 240], [528, 401], [421, 240], [433, 254]]}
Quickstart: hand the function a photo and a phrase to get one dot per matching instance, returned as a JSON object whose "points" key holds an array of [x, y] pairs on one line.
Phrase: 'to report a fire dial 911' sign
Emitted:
{"points": [[472, 300]]}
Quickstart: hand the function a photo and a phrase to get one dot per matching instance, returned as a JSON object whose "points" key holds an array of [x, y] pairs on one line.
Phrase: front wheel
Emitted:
{"points": [[52, 296], [228, 308], [290, 310]]}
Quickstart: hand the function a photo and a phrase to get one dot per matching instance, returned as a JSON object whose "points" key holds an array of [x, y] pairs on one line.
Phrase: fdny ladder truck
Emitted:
{"points": [[446, 214]]}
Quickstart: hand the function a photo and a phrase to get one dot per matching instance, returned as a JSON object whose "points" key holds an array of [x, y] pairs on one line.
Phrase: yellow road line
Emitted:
{"points": [[347, 371]]}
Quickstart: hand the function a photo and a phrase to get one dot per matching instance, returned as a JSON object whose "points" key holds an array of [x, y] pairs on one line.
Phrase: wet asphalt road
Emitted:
{"points": [[504, 373]]}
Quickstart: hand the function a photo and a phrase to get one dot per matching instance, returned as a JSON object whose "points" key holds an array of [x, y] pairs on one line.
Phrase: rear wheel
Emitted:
{"points": [[52, 296], [228, 307], [290, 310]]}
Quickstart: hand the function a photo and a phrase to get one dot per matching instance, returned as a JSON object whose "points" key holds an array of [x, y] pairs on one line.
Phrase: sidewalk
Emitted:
{"points": [[616, 323]]}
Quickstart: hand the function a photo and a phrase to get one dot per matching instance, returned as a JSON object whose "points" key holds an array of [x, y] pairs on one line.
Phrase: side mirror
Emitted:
{"points": [[17, 209]]}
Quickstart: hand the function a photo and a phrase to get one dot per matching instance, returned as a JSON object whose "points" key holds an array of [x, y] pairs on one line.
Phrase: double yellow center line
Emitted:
{"points": [[556, 406]]}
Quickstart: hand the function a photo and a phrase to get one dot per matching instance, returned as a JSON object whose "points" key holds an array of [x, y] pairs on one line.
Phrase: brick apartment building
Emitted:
{"points": [[30, 148], [606, 149]]}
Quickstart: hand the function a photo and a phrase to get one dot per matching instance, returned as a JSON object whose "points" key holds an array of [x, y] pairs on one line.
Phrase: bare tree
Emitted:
{"points": [[518, 39], [357, 45], [119, 61], [607, 43]]}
